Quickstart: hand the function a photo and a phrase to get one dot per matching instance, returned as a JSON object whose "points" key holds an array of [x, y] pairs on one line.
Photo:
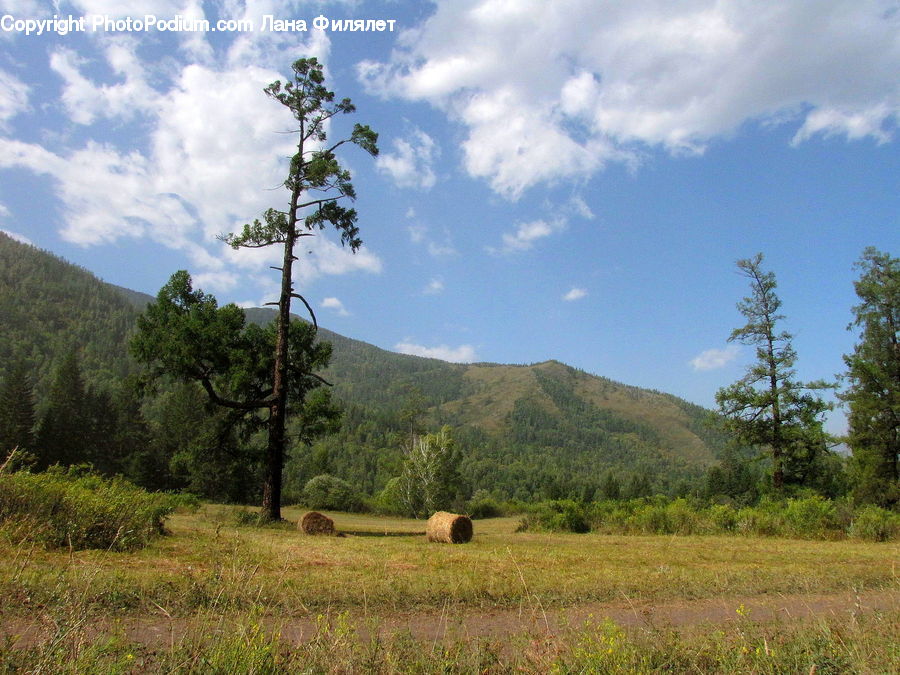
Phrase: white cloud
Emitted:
{"points": [[336, 305], [461, 354], [214, 151], [440, 250], [220, 281], [411, 163], [434, 287], [579, 207], [712, 359], [13, 97], [526, 234], [554, 90], [575, 294], [18, 237], [31, 9], [86, 100], [418, 234]]}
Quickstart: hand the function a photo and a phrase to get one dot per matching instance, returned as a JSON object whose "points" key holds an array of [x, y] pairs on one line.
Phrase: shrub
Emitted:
{"points": [[563, 515], [809, 517], [483, 505], [330, 493], [875, 524], [70, 508], [389, 501], [723, 518]]}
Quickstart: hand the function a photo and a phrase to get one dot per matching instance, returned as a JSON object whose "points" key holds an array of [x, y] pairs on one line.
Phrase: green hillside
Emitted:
{"points": [[527, 431]]}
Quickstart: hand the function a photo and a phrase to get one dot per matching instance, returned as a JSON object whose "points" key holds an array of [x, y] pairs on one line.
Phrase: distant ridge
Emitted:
{"points": [[539, 423]]}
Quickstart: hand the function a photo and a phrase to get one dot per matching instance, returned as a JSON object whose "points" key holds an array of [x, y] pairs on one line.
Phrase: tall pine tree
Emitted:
{"points": [[874, 374], [769, 408]]}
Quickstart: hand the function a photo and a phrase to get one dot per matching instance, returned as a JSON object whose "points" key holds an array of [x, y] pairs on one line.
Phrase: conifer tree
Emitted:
{"points": [[64, 431], [316, 183], [874, 374], [210, 344], [17, 416], [769, 408]]}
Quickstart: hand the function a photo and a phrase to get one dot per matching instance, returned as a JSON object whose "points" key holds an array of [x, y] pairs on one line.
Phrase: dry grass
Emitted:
{"points": [[207, 562]]}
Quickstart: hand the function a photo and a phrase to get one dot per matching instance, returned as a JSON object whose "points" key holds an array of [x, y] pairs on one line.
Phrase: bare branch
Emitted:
{"points": [[311, 313]]}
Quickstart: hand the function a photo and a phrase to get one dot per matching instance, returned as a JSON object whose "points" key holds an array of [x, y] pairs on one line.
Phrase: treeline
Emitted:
{"points": [[70, 394]]}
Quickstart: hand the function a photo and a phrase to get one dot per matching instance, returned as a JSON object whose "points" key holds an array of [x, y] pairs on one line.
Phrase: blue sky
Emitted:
{"points": [[571, 179]]}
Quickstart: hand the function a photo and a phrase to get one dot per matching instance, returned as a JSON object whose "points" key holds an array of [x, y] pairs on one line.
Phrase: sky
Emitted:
{"points": [[558, 179]]}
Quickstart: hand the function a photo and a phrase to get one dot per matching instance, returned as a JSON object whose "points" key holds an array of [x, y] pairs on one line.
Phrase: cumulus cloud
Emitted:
{"points": [[550, 90], [213, 152], [461, 354], [575, 294], [713, 359], [86, 100], [410, 165], [336, 305]]}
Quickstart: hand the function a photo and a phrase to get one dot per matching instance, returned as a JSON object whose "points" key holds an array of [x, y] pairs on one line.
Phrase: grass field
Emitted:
{"points": [[270, 599]]}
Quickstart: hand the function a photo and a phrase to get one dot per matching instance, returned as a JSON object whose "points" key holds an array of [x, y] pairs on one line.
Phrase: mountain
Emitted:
{"points": [[544, 429]]}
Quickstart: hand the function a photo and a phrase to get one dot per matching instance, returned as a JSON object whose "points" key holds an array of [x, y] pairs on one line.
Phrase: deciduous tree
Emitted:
{"points": [[430, 478]]}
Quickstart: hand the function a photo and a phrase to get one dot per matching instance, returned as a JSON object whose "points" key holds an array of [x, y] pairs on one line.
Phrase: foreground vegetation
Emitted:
{"points": [[862, 645], [75, 509], [221, 596]]}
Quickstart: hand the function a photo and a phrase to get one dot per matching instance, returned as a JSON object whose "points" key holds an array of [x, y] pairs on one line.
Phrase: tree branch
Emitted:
{"points": [[234, 405], [311, 312]]}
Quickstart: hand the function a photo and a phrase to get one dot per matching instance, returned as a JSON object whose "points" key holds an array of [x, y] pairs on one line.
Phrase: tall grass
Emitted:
{"points": [[67, 508], [803, 518]]}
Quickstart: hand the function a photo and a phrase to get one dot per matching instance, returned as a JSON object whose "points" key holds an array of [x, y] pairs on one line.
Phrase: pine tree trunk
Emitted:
{"points": [[278, 411]]}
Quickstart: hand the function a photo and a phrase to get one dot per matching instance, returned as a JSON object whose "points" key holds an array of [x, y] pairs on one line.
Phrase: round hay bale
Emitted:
{"points": [[315, 523], [448, 528]]}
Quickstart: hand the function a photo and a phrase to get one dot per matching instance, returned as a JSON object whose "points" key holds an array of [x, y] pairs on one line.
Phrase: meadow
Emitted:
{"points": [[215, 595]]}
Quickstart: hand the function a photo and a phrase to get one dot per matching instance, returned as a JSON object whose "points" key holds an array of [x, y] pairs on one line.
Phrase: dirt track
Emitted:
{"points": [[159, 631]]}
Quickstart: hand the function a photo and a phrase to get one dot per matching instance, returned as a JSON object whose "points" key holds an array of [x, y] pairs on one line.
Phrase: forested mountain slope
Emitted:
{"points": [[533, 430], [49, 306]]}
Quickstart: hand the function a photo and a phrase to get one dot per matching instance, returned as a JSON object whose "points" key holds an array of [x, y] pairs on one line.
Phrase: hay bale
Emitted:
{"points": [[448, 528], [315, 523]]}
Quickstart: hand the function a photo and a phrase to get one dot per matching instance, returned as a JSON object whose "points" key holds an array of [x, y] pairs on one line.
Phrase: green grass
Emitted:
{"points": [[248, 580]]}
